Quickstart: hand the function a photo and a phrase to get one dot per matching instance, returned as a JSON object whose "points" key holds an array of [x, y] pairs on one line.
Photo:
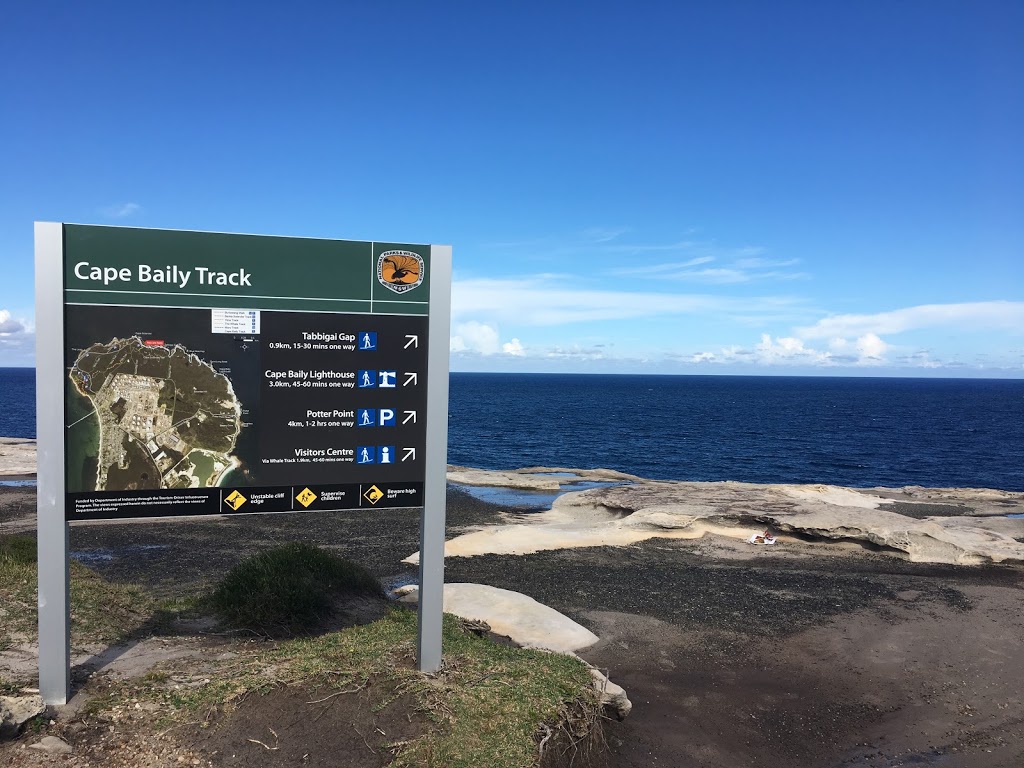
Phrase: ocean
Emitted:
{"points": [[17, 402], [859, 432]]}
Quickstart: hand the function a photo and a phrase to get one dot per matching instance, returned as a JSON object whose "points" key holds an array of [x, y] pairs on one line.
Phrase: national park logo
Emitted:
{"points": [[400, 271]]}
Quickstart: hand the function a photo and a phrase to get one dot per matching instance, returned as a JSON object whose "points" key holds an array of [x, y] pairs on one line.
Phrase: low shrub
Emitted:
{"points": [[289, 589]]}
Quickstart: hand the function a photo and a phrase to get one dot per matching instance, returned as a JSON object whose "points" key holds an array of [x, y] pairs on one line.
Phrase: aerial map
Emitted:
{"points": [[167, 419]]}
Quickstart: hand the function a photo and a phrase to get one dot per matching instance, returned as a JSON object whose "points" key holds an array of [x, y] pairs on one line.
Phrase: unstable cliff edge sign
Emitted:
{"points": [[220, 374]]}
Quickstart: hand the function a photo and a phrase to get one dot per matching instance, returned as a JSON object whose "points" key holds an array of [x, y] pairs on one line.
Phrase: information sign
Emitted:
{"points": [[205, 373], [220, 374]]}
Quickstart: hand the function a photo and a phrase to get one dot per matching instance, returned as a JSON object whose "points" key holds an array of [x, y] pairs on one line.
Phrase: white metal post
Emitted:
{"points": [[434, 492], [54, 582]]}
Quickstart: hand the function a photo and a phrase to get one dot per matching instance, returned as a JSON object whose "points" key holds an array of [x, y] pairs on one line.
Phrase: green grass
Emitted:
{"points": [[485, 705], [101, 611], [289, 589], [483, 709]]}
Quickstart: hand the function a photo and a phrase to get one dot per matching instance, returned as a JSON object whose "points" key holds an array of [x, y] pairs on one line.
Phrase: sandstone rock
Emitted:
{"points": [[626, 514], [52, 745], [17, 456], [534, 478], [467, 476], [527, 622], [613, 698], [15, 711]]}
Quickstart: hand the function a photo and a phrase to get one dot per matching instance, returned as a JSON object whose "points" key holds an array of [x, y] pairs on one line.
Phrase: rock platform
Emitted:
{"points": [[965, 526]]}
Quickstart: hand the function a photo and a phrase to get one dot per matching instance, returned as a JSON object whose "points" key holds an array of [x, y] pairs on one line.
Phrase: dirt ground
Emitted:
{"points": [[805, 655]]}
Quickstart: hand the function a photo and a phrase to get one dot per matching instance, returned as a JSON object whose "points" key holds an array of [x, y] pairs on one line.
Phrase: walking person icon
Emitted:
{"points": [[366, 379], [367, 341], [365, 455], [367, 417]]}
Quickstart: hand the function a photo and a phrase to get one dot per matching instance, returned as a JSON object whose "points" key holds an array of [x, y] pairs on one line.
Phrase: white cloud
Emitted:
{"points": [[476, 338], [121, 210], [9, 326], [638, 248], [514, 348], [870, 348], [921, 359], [759, 263], [735, 274], [17, 340], [743, 270], [711, 275], [1002, 315], [784, 350], [576, 352], [541, 302], [787, 350], [663, 268]]}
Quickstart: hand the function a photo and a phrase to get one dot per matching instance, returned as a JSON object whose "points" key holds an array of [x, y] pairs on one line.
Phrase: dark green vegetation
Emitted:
{"points": [[191, 387], [152, 406], [140, 473], [16, 552], [290, 588]]}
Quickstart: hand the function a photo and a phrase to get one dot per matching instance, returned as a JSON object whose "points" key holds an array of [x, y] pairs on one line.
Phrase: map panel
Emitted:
{"points": [[167, 419], [152, 399]]}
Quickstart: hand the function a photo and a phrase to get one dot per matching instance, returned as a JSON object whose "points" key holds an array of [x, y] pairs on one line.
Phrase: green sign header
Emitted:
{"points": [[145, 267]]}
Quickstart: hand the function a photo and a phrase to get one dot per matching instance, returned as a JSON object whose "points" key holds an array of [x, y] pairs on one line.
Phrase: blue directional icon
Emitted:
{"points": [[388, 378], [367, 341], [385, 454], [387, 417], [366, 454], [366, 379], [366, 417]]}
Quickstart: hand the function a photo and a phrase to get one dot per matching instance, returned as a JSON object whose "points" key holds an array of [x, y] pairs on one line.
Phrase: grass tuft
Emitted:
{"points": [[290, 588], [16, 552]]}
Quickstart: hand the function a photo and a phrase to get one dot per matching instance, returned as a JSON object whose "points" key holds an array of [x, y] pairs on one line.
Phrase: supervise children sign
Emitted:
{"points": [[218, 374], [195, 373]]}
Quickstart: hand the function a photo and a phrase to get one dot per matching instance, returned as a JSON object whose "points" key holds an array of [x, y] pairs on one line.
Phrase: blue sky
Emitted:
{"points": [[679, 187]]}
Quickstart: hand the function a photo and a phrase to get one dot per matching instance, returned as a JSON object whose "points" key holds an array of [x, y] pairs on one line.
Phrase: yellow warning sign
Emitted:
{"points": [[373, 494], [234, 500], [306, 497]]}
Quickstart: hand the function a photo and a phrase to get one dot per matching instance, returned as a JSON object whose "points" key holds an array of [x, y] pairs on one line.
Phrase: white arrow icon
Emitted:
{"points": [[410, 453], [413, 341], [409, 416], [410, 378]]}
